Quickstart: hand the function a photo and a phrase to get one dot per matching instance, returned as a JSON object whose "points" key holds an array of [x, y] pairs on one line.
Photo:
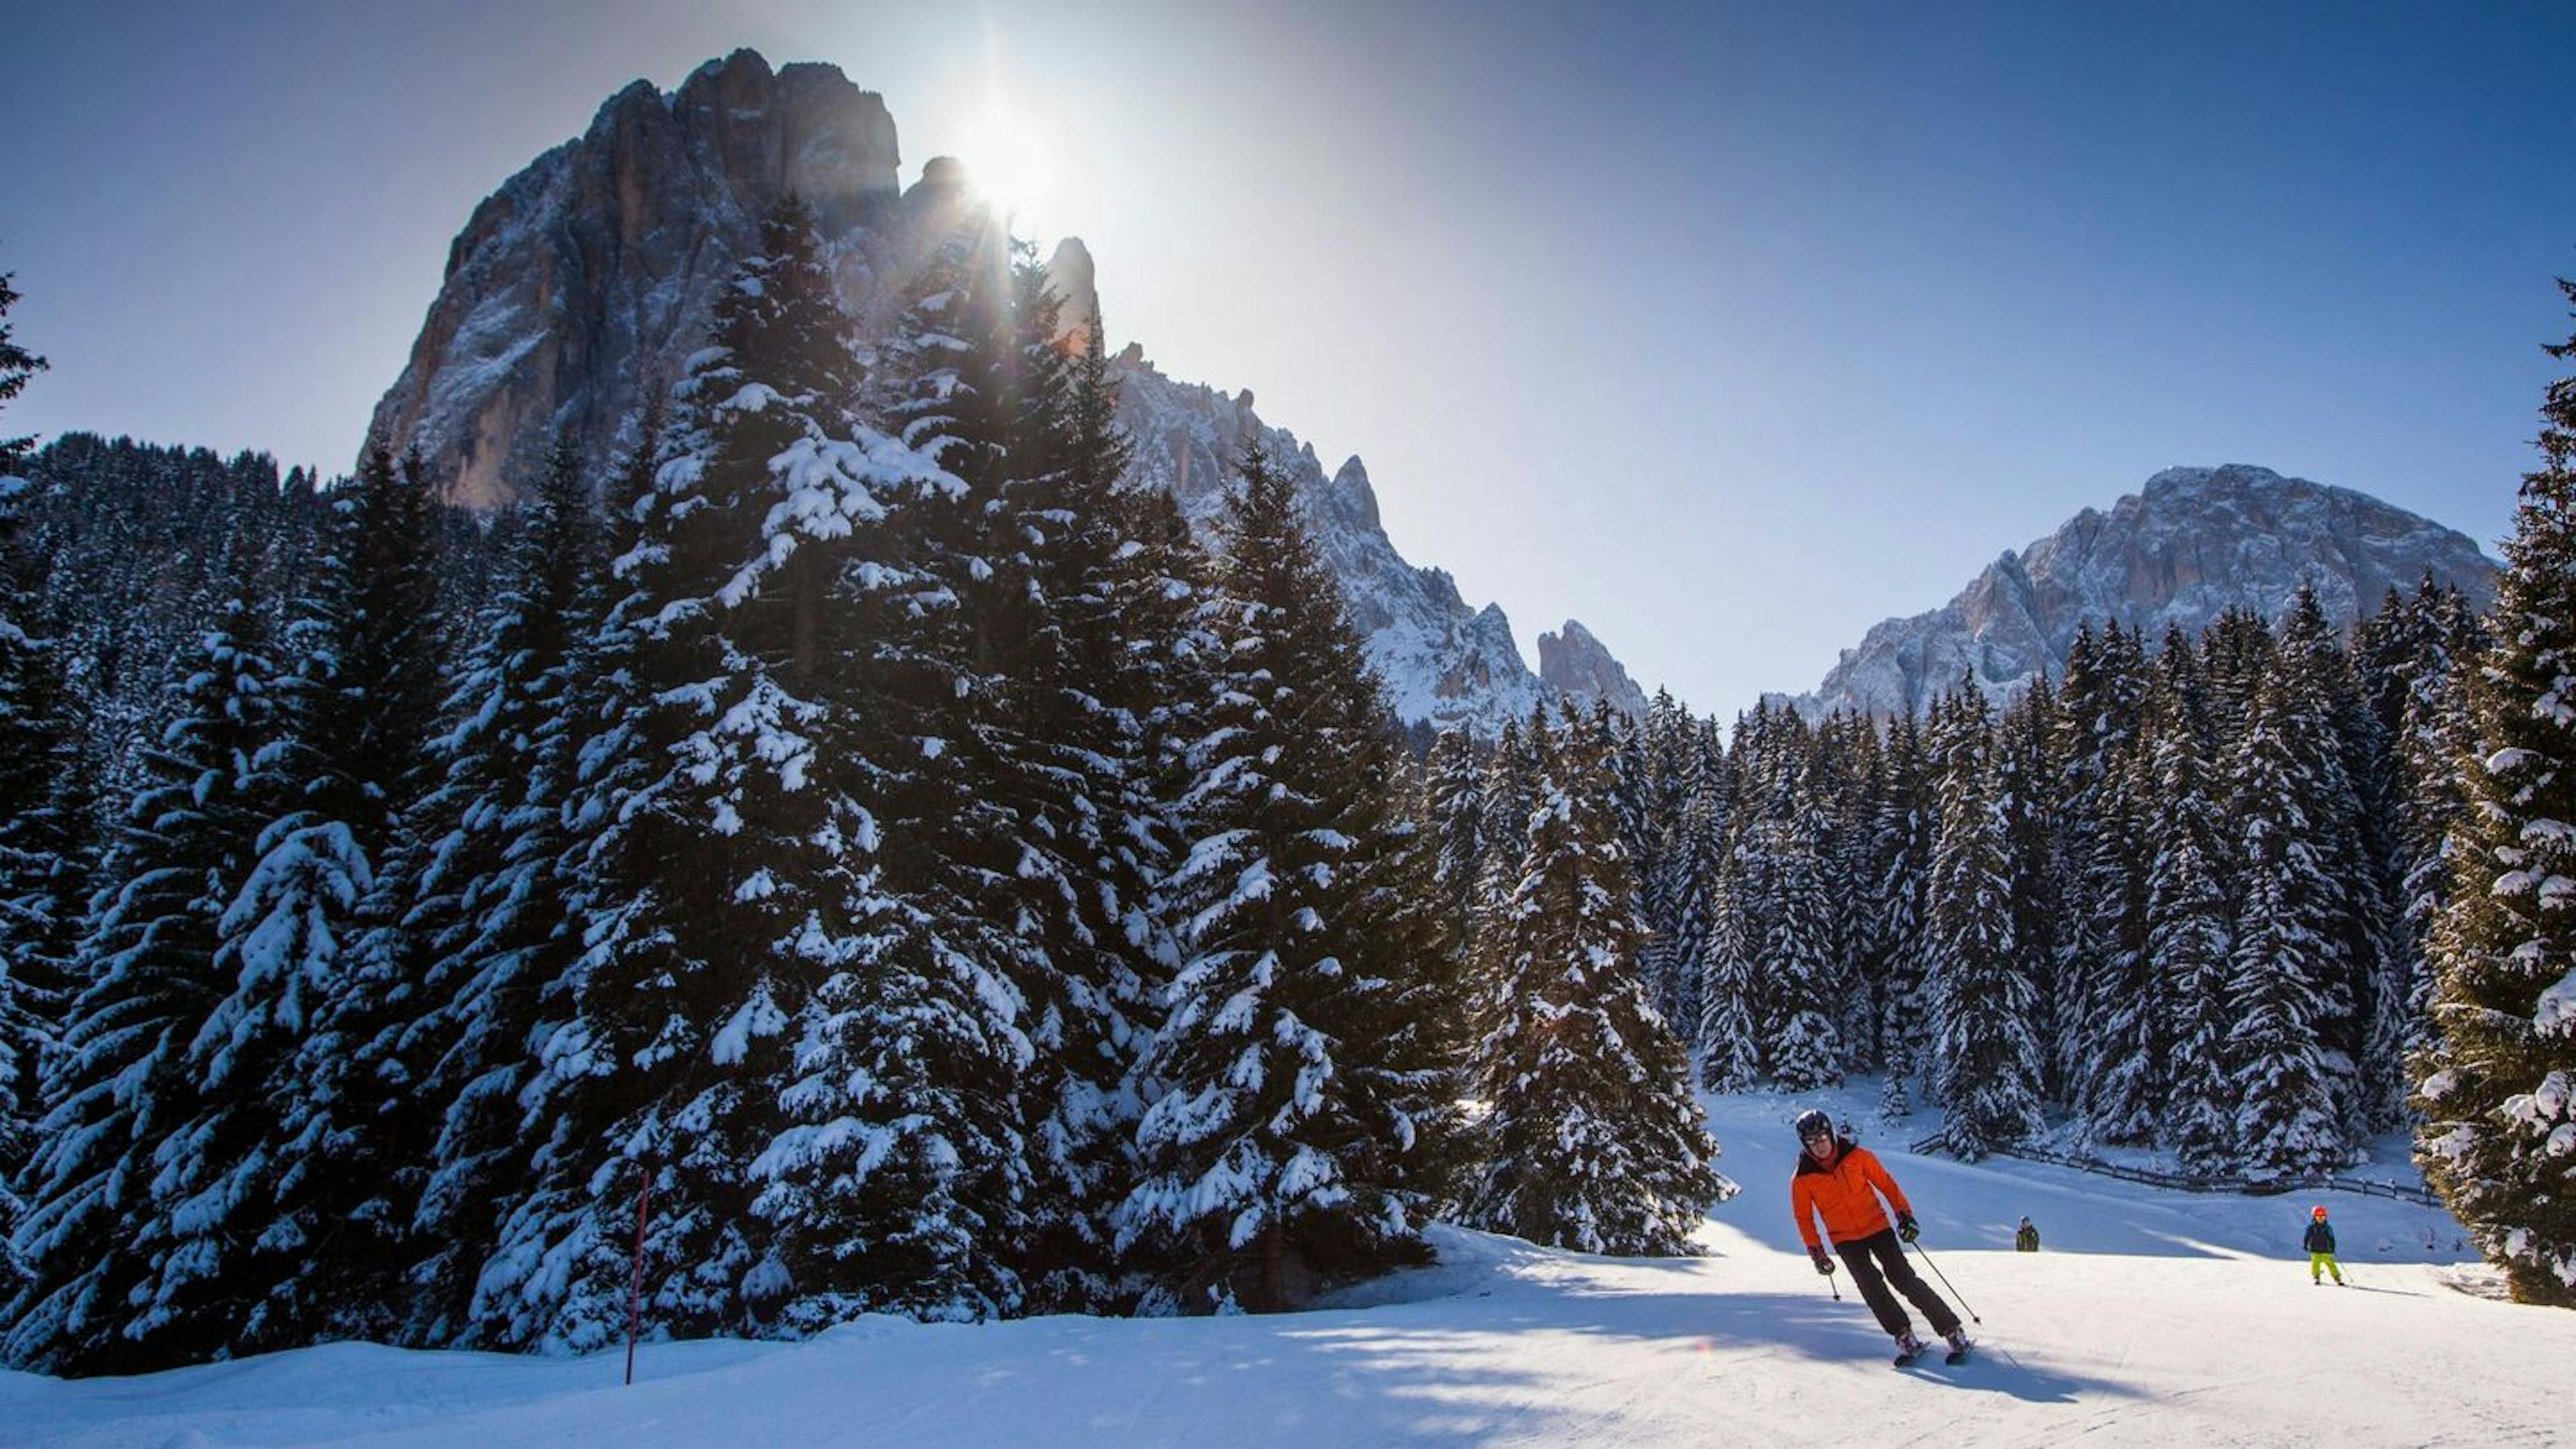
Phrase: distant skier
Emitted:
{"points": [[2319, 1242], [2026, 1240], [1844, 1183]]}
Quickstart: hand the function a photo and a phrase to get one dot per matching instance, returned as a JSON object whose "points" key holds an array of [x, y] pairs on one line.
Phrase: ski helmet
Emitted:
{"points": [[1812, 1124], [2318, 1211]]}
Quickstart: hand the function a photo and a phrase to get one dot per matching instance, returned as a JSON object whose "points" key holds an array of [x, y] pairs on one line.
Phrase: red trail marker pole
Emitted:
{"points": [[635, 1285]]}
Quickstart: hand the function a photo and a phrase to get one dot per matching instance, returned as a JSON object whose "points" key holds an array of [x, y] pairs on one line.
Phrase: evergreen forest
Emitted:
{"points": [[853, 853]]}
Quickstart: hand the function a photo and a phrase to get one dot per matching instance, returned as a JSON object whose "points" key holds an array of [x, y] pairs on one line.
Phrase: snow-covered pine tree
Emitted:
{"points": [[91, 1234], [1860, 780], [277, 1215], [1893, 978], [2385, 647], [1699, 852], [1593, 1141], [45, 849], [1306, 1083], [1798, 992], [1739, 1010], [1457, 803], [938, 619], [2342, 755], [2174, 1041], [2277, 1053], [486, 913], [2097, 960], [1511, 793], [2122, 1042], [42, 827], [1629, 778], [1667, 742], [1729, 966], [1070, 838], [2432, 734], [2237, 653], [2026, 777], [17, 367], [2499, 1092], [2082, 752], [761, 1028], [1985, 1054], [365, 702], [568, 1103]]}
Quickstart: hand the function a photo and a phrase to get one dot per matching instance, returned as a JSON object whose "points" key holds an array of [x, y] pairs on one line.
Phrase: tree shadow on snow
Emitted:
{"points": [[1810, 1326]]}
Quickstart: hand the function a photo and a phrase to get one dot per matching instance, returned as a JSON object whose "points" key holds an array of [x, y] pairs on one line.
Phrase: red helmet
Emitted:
{"points": [[2318, 1211]]}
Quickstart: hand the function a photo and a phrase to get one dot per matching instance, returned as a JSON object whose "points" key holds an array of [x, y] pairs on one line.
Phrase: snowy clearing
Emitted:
{"points": [[2149, 1317]]}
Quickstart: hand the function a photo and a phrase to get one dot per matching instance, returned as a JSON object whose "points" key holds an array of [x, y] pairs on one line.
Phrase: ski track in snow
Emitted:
{"points": [[2151, 1317]]}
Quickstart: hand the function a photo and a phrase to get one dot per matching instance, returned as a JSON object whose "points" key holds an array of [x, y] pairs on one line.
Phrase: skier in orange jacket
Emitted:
{"points": [[1842, 1183]]}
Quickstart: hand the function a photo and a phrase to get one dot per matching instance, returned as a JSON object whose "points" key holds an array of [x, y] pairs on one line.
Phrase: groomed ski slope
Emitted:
{"points": [[2151, 1317]]}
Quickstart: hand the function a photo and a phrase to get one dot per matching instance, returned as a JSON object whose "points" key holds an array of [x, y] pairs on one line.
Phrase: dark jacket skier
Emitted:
{"points": [[2026, 1240], [1843, 1184], [2319, 1241]]}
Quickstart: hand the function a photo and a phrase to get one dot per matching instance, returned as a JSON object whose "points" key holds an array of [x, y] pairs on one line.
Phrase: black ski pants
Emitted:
{"points": [[1878, 1261]]}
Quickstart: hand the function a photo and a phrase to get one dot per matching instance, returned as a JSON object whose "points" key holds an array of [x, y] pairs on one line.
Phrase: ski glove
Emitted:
{"points": [[1824, 1264], [1905, 1227]]}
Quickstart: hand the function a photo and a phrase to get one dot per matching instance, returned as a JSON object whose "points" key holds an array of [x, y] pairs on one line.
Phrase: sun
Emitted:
{"points": [[1011, 160]]}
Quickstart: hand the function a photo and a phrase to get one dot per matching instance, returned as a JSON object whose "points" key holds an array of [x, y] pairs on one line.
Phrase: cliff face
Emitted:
{"points": [[2189, 545], [580, 288], [1575, 663], [1442, 661]]}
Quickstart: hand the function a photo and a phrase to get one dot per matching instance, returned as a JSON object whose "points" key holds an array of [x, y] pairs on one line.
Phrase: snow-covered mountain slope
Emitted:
{"points": [[2150, 1317], [1441, 660], [579, 288], [2183, 549]]}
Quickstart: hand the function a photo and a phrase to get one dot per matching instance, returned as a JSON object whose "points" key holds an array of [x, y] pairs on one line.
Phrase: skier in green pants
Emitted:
{"points": [[2321, 1248]]}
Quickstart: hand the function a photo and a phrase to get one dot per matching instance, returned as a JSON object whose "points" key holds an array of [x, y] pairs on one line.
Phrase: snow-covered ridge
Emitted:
{"points": [[2189, 545], [581, 286], [1441, 660]]}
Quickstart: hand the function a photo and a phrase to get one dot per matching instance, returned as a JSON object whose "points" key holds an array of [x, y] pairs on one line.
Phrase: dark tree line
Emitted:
{"points": [[2178, 894]]}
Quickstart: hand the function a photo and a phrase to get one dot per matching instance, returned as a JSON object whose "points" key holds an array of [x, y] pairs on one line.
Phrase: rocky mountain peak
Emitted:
{"points": [[2189, 544], [1574, 663], [580, 285], [1072, 278]]}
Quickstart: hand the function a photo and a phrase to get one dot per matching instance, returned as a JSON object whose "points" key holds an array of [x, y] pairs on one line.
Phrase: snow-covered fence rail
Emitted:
{"points": [[2247, 1186]]}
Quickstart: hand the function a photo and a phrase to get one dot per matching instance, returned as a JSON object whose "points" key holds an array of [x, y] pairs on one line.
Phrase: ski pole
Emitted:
{"points": [[1945, 1282]]}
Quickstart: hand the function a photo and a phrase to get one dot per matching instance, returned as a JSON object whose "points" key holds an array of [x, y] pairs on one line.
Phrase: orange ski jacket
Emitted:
{"points": [[1841, 1192]]}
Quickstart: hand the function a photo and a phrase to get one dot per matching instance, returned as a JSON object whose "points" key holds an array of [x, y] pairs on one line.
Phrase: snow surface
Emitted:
{"points": [[2151, 1317]]}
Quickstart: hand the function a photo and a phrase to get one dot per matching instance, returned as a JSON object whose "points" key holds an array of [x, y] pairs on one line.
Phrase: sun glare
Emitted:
{"points": [[1011, 161]]}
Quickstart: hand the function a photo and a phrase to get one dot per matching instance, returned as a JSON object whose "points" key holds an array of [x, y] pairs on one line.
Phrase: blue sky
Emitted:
{"points": [[1728, 330]]}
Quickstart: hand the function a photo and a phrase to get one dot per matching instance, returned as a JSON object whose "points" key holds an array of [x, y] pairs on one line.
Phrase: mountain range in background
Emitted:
{"points": [[580, 287], [2191, 544]]}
